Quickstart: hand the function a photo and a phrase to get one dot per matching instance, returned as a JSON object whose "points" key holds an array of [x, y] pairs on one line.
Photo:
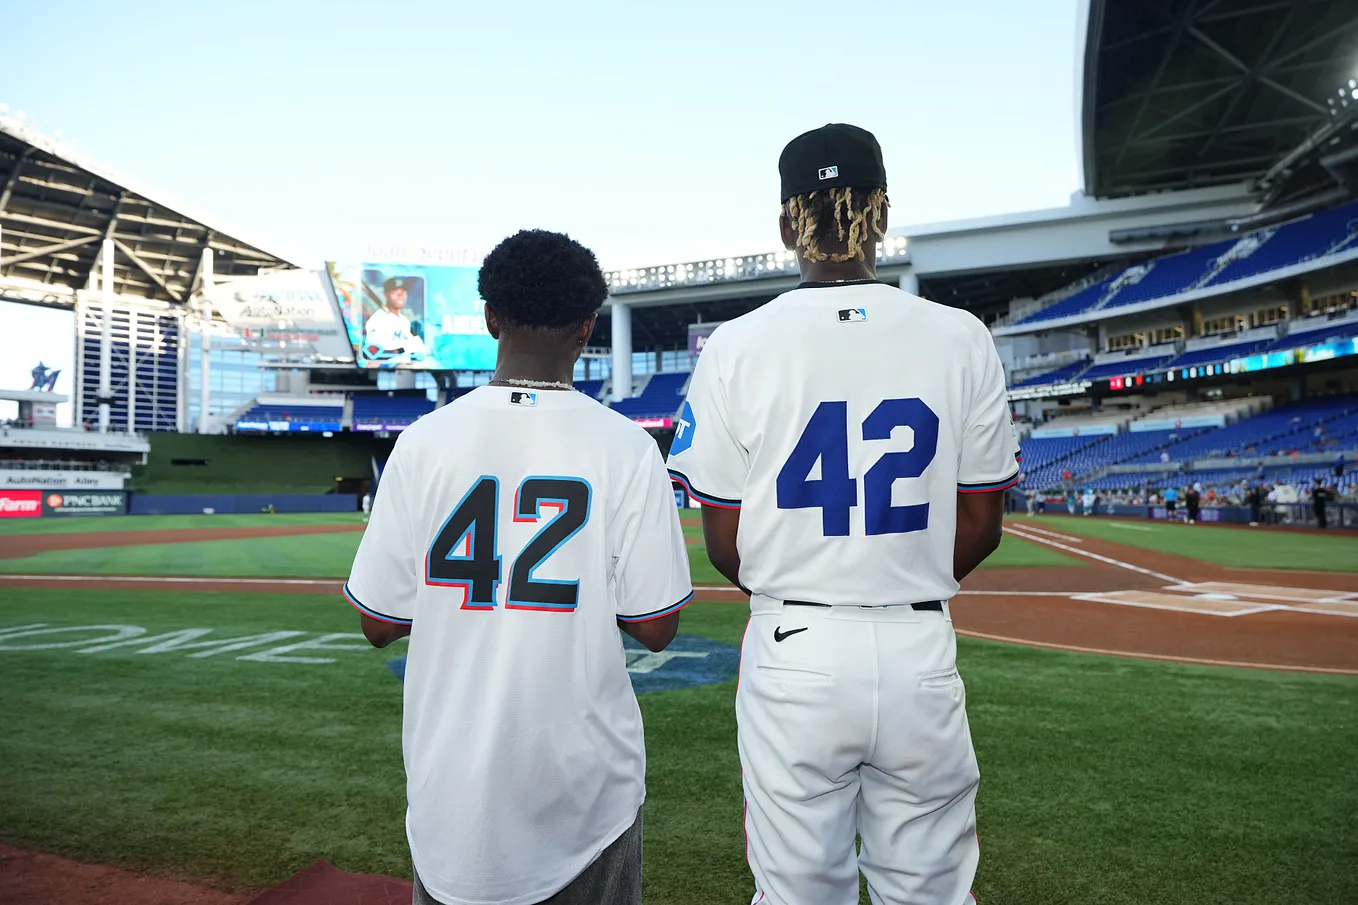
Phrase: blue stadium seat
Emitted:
{"points": [[1063, 374], [1151, 359], [394, 410], [1294, 242], [659, 399], [1283, 430], [591, 388], [1170, 275]]}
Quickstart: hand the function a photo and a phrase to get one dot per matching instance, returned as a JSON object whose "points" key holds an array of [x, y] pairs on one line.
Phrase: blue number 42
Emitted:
{"points": [[835, 492]]}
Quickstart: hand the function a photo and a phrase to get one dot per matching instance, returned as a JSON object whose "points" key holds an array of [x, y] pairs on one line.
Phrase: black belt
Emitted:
{"points": [[935, 605]]}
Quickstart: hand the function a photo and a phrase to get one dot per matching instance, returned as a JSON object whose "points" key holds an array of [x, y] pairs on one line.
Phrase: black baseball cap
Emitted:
{"points": [[396, 283], [836, 155]]}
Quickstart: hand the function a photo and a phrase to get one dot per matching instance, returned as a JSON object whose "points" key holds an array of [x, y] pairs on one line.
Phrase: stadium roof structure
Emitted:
{"points": [[1181, 94], [57, 207]]}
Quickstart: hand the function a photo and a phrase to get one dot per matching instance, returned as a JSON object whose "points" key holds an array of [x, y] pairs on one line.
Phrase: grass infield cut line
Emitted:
{"points": [[1078, 552], [1137, 655]]}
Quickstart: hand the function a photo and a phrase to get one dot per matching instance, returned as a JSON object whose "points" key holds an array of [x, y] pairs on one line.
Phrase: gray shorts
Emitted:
{"points": [[613, 878]]}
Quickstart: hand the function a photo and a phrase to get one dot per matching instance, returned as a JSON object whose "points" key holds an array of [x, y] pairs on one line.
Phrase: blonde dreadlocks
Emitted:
{"points": [[852, 217]]}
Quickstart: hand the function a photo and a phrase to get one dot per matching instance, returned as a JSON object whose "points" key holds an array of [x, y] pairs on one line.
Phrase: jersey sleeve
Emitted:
{"points": [[990, 450], [705, 456], [650, 569], [385, 576]]}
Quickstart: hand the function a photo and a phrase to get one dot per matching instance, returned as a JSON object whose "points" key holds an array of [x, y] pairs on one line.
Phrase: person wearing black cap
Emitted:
{"points": [[388, 336], [851, 445]]}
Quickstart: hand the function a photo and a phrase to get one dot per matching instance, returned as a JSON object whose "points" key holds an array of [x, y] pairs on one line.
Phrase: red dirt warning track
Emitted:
{"points": [[1116, 603]]}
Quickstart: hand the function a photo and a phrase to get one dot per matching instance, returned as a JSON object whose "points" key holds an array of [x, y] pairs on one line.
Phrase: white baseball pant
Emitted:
{"points": [[856, 725]]}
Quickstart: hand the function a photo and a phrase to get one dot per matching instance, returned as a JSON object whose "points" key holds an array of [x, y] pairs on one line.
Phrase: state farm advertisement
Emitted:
{"points": [[20, 503]]}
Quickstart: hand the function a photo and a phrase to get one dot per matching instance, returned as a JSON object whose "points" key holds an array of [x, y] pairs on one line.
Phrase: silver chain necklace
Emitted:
{"points": [[533, 384]]}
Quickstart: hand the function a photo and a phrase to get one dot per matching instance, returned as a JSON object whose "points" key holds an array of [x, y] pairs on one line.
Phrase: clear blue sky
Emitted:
{"points": [[648, 130]]}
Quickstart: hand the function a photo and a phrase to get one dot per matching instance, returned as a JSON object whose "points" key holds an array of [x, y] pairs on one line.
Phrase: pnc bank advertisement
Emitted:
{"points": [[413, 316]]}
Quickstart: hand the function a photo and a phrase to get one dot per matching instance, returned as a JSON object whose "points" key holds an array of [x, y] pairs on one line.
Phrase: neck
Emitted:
{"points": [[534, 361], [839, 271]]}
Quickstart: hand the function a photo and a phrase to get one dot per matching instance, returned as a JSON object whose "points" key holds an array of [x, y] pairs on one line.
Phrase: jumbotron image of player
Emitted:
{"points": [[388, 335]]}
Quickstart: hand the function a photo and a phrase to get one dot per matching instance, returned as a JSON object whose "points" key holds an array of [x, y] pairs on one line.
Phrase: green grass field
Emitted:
{"points": [[1237, 547], [312, 555], [1106, 781], [172, 522]]}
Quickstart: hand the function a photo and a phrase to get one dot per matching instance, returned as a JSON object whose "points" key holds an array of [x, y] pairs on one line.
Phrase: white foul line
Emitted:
{"points": [[1046, 533], [1078, 552]]}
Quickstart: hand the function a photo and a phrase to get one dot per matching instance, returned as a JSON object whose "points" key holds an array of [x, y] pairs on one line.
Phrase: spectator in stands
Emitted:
{"points": [[1193, 503], [1171, 502], [1339, 465], [1254, 497], [1320, 495], [1164, 457]]}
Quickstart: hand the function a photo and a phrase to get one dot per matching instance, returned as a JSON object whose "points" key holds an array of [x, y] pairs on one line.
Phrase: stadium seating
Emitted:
{"points": [[1073, 304], [298, 413], [1063, 374], [591, 388], [660, 398], [1294, 242], [1283, 430], [1170, 275], [1138, 362], [393, 410], [1216, 354]]}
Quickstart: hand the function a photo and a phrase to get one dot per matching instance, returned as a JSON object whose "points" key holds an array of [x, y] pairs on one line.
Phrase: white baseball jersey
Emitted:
{"points": [[389, 330], [511, 530], [842, 420]]}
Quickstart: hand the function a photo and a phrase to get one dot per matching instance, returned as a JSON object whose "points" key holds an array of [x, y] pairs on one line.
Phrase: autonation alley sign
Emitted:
{"points": [[30, 479]]}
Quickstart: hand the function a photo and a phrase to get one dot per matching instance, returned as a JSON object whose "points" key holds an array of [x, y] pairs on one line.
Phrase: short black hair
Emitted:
{"points": [[543, 280]]}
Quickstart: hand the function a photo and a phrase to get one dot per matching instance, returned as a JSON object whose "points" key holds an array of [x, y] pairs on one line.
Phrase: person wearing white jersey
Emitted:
{"points": [[851, 444], [515, 532], [388, 335]]}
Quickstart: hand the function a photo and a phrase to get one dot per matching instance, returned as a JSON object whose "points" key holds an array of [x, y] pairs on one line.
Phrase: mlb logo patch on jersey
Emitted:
{"points": [[852, 315], [520, 398], [829, 173]]}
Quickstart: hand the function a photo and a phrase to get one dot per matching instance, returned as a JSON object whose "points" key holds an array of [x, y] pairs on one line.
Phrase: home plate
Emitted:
{"points": [[1181, 602], [1226, 590]]}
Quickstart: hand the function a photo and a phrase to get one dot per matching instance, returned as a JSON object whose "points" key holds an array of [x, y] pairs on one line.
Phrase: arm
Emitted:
{"points": [[380, 634], [720, 527], [656, 634], [651, 569], [980, 525]]}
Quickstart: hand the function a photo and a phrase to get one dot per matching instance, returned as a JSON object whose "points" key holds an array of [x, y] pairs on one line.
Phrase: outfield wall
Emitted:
{"points": [[224, 503], [229, 464]]}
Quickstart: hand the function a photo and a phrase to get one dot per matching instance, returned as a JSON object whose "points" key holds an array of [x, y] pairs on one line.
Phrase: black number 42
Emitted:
{"points": [[466, 554]]}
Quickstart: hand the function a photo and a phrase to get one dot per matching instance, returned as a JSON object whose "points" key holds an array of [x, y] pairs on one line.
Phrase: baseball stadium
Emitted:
{"points": [[1161, 658]]}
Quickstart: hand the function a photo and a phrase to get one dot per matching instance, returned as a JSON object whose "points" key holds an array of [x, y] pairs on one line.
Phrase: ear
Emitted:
{"points": [[586, 330], [787, 232], [492, 322], [886, 209]]}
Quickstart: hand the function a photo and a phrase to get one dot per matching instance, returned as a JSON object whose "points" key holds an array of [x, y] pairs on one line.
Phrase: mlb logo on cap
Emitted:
{"points": [[520, 398], [829, 172], [852, 315]]}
